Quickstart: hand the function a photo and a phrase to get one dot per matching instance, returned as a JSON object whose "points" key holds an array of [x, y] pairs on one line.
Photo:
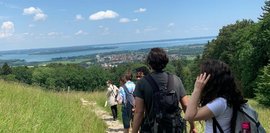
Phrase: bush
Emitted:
{"points": [[263, 86]]}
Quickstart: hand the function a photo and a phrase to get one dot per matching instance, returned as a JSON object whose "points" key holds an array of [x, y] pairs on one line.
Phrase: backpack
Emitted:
{"points": [[129, 96], [244, 114], [166, 108]]}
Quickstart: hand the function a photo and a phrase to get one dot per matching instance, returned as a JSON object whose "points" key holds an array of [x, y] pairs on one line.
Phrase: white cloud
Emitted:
{"points": [[37, 12], [124, 20], [79, 17], [40, 17], [135, 20], [171, 24], [7, 29], [109, 14], [140, 10], [127, 20], [81, 32]]}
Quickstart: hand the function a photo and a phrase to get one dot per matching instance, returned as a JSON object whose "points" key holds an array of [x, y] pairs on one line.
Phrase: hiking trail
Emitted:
{"points": [[113, 126]]}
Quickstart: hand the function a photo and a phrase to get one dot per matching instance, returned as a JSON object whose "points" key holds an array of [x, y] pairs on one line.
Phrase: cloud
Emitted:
{"points": [[79, 17], [140, 10], [7, 29], [37, 12], [127, 20], [124, 20], [109, 14], [81, 32], [171, 24], [135, 20]]}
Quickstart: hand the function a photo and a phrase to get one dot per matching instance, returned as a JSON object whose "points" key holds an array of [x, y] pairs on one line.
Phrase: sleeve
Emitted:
{"points": [[217, 106], [138, 92], [120, 95], [182, 91]]}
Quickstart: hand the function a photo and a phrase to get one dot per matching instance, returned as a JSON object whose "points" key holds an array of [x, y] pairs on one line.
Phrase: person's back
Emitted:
{"points": [[126, 93], [144, 92]]}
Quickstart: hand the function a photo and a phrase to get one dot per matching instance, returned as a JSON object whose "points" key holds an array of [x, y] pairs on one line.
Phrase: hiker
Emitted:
{"points": [[215, 95], [141, 71], [149, 116], [112, 92], [127, 100]]}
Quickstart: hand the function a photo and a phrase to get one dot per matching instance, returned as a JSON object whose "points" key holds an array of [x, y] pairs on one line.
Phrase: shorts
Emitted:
{"points": [[127, 115]]}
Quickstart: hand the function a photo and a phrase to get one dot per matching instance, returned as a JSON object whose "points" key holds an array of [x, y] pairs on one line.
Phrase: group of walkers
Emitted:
{"points": [[152, 104]]}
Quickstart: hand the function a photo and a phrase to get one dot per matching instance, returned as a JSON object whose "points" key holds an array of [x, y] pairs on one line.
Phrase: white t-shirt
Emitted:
{"points": [[222, 113]]}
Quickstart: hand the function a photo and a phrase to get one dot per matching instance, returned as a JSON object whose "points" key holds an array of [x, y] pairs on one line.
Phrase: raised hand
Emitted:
{"points": [[201, 81]]}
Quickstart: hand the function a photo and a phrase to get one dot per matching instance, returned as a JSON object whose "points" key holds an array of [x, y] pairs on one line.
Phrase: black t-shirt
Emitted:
{"points": [[144, 90]]}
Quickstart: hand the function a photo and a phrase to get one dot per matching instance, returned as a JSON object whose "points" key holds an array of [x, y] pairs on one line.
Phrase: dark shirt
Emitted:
{"points": [[144, 90]]}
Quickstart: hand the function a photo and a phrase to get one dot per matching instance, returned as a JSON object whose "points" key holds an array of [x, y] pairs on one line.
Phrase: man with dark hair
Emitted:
{"points": [[147, 98], [141, 71]]}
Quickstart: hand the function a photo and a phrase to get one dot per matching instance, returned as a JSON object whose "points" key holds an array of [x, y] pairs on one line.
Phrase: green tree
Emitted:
{"points": [[6, 69], [263, 86]]}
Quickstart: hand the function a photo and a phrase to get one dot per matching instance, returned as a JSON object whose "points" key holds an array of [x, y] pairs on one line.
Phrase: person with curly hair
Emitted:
{"points": [[214, 97]]}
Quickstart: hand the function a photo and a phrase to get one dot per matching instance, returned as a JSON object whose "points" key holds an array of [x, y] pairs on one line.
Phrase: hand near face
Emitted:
{"points": [[201, 81]]}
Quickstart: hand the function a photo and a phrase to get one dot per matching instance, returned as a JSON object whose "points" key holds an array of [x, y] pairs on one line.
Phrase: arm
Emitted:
{"points": [[194, 113], [138, 116], [184, 102]]}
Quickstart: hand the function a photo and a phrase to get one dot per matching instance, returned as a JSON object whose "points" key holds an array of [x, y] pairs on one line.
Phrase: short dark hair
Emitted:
{"points": [[143, 69], [157, 58]]}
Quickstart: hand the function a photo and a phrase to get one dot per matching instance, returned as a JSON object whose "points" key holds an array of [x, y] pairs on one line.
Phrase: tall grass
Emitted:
{"points": [[30, 109], [264, 112]]}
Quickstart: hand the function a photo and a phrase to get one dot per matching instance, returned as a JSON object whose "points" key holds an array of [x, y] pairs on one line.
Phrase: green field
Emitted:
{"points": [[30, 109]]}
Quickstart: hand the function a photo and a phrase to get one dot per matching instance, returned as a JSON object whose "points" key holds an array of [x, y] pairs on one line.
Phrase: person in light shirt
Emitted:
{"points": [[214, 97]]}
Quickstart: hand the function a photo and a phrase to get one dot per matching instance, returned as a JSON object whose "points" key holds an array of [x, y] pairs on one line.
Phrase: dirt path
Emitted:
{"points": [[113, 126]]}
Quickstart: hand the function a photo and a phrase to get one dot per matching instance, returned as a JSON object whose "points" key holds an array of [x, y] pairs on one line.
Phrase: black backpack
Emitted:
{"points": [[167, 113]]}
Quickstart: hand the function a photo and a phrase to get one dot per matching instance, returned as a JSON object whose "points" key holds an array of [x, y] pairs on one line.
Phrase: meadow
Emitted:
{"points": [[25, 108], [264, 112]]}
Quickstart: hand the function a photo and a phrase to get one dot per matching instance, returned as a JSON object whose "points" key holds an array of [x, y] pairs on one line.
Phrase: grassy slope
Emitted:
{"points": [[264, 112], [29, 109]]}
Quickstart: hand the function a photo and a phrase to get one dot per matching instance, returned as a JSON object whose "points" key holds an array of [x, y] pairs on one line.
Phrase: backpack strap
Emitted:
{"points": [[170, 82], [126, 92], [254, 121], [154, 84], [216, 125]]}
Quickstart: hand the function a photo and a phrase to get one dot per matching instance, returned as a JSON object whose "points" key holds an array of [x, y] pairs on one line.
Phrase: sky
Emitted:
{"points": [[26, 24]]}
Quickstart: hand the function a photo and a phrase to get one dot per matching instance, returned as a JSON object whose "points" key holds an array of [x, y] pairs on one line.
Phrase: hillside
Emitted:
{"points": [[25, 108]]}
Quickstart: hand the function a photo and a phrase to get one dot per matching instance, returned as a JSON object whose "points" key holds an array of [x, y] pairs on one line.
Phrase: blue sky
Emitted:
{"points": [[29, 24]]}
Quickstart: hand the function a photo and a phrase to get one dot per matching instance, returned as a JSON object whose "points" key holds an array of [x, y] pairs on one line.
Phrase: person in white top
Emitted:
{"points": [[112, 92], [214, 97]]}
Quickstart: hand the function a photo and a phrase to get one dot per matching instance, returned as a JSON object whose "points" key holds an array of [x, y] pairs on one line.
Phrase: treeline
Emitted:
{"points": [[60, 77], [245, 46]]}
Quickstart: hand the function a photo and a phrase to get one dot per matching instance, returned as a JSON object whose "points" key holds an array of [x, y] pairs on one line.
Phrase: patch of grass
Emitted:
{"points": [[26, 108]]}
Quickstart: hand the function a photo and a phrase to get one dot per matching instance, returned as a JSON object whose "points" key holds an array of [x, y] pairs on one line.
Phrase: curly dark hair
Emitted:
{"points": [[220, 84], [157, 59]]}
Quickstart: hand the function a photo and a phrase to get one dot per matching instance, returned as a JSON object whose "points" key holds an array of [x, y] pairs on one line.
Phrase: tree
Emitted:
{"points": [[263, 86], [6, 69]]}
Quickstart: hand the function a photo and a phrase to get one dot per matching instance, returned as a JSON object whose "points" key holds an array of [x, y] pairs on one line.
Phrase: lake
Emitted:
{"points": [[46, 54]]}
